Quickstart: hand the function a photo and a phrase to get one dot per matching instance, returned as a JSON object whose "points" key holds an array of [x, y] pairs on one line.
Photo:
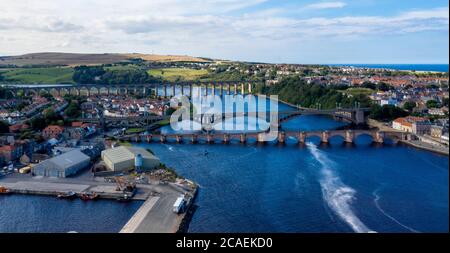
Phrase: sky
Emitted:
{"points": [[301, 31]]}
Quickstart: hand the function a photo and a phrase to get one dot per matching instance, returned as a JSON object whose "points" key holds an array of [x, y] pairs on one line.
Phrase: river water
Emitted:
{"points": [[275, 188]]}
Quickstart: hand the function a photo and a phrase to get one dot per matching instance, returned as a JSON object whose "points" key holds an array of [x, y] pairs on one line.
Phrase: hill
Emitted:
{"points": [[72, 59]]}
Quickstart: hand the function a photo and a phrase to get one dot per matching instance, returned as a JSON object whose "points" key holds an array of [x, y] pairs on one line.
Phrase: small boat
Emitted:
{"points": [[124, 198], [4, 190], [67, 195], [88, 195]]}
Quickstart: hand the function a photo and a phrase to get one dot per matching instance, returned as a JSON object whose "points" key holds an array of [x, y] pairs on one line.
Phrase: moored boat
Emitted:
{"points": [[88, 195], [4, 190], [67, 195]]}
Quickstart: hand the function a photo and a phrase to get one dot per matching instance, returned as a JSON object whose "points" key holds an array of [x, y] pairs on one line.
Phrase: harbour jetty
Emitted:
{"points": [[156, 215]]}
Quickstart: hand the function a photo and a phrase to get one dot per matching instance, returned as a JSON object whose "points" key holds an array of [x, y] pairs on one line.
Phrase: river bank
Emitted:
{"points": [[413, 143]]}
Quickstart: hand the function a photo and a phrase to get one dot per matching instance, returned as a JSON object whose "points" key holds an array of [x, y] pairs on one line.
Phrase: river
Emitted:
{"points": [[275, 188]]}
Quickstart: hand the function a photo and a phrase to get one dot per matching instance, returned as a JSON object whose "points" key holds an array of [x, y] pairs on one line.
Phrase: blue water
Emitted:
{"points": [[27, 213], [292, 188], [416, 67], [275, 188]]}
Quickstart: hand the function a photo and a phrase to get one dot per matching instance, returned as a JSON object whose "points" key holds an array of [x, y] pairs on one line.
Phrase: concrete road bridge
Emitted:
{"points": [[354, 115], [348, 136]]}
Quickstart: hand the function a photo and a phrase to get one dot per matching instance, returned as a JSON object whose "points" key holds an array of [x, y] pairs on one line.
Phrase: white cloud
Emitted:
{"points": [[326, 5], [217, 28]]}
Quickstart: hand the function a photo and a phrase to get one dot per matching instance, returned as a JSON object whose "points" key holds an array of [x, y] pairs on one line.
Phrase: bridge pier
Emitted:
{"points": [[249, 90], [194, 138], [260, 137], [209, 138], [179, 138], [226, 138], [190, 90], [301, 137], [235, 89], [165, 90], [349, 136], [173, 89], [221, 90], [162, 138], [281, 137], [213, 89], [325, 136], [378, 138], [149, 138], [242, 89], [243, 138]]}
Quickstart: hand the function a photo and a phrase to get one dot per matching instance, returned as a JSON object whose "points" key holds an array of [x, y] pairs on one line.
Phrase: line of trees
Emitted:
{"points": [[296, 91], [100, 75]]}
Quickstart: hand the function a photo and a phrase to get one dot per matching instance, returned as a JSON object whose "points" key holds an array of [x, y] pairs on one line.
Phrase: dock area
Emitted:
{"points": [[54, 188], [156, 214]]}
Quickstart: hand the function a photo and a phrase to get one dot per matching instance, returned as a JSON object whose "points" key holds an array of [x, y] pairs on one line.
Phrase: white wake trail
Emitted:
{"points": [[376, 200], [337, 195]]}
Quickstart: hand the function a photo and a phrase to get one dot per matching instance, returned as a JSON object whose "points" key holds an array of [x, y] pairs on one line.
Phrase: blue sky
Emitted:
{"points": [[334, 31]]}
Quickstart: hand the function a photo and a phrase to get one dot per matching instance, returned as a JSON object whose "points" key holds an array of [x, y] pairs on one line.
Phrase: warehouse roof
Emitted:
{"points": [[65, 160], [123, 153]]}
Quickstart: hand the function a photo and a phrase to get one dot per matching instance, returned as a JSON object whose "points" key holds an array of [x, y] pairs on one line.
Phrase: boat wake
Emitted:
{"points": [[337, 195], [377, 205]]}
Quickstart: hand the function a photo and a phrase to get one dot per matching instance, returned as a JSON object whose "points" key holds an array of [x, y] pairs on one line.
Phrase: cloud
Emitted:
{"points": [[215, 28], [36, 23], [325, 5]]}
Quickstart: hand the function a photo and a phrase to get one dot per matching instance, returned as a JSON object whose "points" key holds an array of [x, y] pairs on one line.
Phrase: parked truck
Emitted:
{"points": [[178, 206]]}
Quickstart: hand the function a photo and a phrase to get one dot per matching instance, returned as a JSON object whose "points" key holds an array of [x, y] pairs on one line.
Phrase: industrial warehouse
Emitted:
{"points": [[63, 165], [125, 158]]}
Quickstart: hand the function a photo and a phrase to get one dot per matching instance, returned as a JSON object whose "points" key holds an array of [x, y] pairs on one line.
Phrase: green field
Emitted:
{"points": [[358, 91], [123, 67], [39, 75], [178, 74]]}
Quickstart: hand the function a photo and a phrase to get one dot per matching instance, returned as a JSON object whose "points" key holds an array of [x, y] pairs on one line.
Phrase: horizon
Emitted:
{"points": [[295, 32], [248, 61]]}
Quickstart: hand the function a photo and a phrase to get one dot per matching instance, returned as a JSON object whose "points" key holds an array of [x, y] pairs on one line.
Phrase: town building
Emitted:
{"points": [[125, 158], [406, 124], [52, 131], [11, 152], [17, 128], [63, 165]]}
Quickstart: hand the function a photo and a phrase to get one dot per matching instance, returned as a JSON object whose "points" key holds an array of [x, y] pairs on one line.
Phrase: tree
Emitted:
{"points": [[445, 102], [384, 86], [4, 127], [369, 85], [37, 123], [73, 110], [386, 112], [432, 104], [409, 105]]}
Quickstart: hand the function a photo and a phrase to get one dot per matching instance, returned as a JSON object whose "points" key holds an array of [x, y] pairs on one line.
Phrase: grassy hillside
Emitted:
{"points": [[178, 74], [70, 59], [39, 75], [358, 91]]}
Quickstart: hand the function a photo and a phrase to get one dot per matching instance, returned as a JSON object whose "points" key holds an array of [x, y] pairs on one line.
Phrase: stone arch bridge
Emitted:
{"points": [[348, 136], [159, 89]]}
